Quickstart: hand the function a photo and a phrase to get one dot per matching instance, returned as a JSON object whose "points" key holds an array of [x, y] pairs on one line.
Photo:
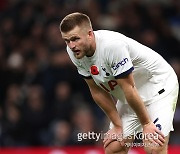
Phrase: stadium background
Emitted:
{"points": [[43, 101]]}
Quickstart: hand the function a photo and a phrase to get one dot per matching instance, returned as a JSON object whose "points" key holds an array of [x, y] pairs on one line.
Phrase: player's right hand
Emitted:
{"points": [[114, 134]]}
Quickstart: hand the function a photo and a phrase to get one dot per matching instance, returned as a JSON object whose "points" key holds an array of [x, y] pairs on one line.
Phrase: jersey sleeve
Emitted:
{"points": [[119, 60], [85, 74], [81, 70]]}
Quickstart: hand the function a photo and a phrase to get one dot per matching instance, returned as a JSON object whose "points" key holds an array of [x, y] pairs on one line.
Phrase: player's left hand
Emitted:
{"points": [[114, 134], [153, 135]]}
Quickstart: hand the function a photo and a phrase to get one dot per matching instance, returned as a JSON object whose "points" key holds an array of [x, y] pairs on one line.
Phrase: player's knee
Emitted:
{"points": [[116, 148], [151, 148], [156, 149]]}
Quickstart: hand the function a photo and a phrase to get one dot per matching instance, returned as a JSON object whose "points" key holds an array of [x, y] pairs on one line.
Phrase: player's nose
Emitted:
{"points": [[72, 45]]}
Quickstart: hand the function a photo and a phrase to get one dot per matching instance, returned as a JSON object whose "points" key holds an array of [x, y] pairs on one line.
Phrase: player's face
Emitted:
{"points": [[79, 41]]}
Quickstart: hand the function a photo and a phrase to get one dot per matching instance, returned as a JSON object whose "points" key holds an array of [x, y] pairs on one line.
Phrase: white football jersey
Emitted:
{"points": [[116, 56]]}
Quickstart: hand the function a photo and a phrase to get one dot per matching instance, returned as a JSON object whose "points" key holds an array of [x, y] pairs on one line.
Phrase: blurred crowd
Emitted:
{"points": [[43, 100]]}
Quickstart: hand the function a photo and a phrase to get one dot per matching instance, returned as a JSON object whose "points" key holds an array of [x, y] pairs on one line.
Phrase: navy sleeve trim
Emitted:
{"points": [[86, 77], [124, 73]]}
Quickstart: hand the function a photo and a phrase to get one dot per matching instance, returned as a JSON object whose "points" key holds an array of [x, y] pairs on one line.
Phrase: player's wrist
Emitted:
{"points": [[118, 125], [147, 124]]}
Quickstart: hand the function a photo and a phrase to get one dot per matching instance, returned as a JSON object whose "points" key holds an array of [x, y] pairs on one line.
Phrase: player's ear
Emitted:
{"points": [[90, 34]]}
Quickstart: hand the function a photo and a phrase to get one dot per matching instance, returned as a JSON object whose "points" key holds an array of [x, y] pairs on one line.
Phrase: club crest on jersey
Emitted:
{"points": [[104, 69], [94, 70], [121, 63]]}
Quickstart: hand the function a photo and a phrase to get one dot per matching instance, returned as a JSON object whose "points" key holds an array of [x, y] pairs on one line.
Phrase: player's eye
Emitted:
{"points": [[75, 39], [67, 41]]}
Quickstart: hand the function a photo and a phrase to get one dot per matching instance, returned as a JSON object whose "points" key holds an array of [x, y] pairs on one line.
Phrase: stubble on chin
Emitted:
{"points": [[78, 56]]}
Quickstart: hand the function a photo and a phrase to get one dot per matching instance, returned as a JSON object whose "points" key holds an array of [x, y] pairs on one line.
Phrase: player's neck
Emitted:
{"points": [[90, 53], [92, 49]]}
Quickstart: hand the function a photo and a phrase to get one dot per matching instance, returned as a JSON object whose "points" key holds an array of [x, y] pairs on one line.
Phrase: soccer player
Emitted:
{"points": [[119, 69]]}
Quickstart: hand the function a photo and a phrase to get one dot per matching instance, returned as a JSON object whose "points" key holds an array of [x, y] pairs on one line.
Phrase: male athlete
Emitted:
{"points": [[117, 68]]}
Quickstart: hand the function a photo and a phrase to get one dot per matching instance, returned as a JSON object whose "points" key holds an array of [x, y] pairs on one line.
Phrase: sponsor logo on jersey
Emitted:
{"points": [[121, 63]]}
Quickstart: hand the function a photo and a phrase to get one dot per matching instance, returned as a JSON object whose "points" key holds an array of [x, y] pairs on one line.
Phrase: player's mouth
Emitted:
{"points": [[77, 52]]}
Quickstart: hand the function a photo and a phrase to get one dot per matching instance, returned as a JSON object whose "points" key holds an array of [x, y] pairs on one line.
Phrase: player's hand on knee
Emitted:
{"points": [[114, 134], [153, 135]]}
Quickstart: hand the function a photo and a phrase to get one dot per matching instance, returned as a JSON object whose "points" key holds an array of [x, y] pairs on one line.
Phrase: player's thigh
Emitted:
{"points": [[129, 119], [116, 148], [162, 112], [150, 148]]}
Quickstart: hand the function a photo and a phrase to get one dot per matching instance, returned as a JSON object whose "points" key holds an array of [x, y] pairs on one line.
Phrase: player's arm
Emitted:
{"points": [[128, 86], [105, 102]]}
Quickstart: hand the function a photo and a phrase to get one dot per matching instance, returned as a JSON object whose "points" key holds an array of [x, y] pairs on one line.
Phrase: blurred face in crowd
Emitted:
{"points": [[80, 40]]}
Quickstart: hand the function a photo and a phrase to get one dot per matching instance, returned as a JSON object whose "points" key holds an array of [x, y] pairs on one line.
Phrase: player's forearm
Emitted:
{"points": [[105, 102], [137, 105]]}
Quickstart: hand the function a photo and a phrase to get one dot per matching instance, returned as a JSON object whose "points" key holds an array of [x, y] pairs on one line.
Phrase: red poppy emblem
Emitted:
{"points": [[94, 70]]}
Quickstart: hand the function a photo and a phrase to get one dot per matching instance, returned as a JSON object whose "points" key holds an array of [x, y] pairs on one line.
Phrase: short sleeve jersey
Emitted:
{"points": [[115, 57]]}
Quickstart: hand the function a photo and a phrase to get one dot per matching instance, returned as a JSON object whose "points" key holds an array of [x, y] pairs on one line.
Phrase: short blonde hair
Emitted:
{"points": [[74, 19]]}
